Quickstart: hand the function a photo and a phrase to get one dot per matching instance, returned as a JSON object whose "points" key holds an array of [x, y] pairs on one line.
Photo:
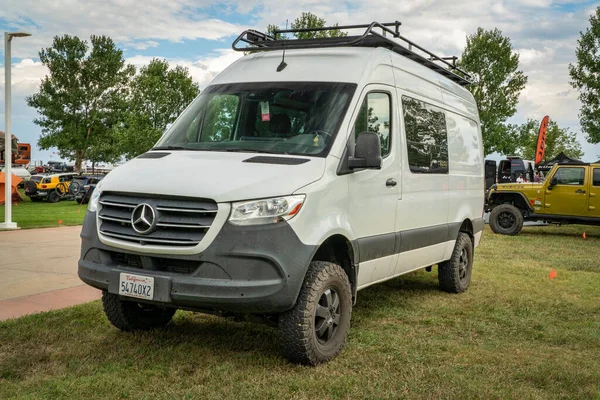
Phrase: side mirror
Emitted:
{"points": [[367, 152], [553, 182]]}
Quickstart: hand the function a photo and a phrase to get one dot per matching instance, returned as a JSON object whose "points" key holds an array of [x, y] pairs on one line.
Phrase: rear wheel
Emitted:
{"points": [[132, 316], [506, 219], [454, 275], [53, 197], [315, 330], [35, 199]]}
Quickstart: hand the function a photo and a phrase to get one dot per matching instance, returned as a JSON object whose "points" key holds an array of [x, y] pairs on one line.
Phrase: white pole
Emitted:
{"points": [[8, 224]]}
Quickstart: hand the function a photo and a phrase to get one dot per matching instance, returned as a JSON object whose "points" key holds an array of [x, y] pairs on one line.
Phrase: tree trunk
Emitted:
{"points": [[78, 160]]}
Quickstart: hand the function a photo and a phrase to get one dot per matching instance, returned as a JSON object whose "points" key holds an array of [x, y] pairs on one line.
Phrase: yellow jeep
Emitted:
{"points": [[51, 187], [570, 194]]}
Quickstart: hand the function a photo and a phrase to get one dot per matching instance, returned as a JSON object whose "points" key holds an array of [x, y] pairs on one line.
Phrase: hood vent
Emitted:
{"points": [[277, 160], [154, 154]]}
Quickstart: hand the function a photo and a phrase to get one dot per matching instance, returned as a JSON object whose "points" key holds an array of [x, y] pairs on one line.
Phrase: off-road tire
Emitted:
{"points": [[53, 197], [454, 275], [30, 187], [298, 335], [74, 188], [131, 316], [35, 199], [506, 219]]}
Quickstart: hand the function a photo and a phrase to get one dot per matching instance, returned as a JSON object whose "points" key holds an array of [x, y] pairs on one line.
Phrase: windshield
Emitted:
{"points": [[273, 117]]}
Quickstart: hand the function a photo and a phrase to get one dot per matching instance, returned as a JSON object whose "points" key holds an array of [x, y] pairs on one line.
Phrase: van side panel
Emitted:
{"points": [[424, 202], [466, 179]]}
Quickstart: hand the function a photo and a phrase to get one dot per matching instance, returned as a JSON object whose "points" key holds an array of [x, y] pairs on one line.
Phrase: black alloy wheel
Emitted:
{"points": [[327, 315]]}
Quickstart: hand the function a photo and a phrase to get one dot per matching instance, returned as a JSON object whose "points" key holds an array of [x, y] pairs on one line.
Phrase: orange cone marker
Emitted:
{"points": [[585, 237], [60, 221], [552, 274]]}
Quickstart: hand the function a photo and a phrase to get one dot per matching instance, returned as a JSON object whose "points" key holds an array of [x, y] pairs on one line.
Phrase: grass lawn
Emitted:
{"points": [[515, 334], [42, 214]]}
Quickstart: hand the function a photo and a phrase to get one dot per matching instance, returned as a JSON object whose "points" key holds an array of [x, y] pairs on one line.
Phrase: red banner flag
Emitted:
{"points": [[541, 144]]}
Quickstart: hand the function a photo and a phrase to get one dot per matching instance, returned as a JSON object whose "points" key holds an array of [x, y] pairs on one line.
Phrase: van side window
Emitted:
{"points": [[426, 137], [375, 116], [596, 176], [570, 176]]}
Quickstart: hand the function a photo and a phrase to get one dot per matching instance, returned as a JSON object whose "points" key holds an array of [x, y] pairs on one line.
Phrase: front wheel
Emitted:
{"points": [[315, 330], [132, 316], [454, 275], [506, 219]]}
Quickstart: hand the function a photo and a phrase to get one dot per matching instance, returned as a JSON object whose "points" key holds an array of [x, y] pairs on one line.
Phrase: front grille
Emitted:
{"points": [[155, 263], [180, 221], [127, 260]]}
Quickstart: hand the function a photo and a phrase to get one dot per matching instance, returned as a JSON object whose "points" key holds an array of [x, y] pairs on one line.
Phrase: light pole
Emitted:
{"points": [[8, 224]]}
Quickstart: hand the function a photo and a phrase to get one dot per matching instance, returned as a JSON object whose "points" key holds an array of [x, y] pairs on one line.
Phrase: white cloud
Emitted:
{"points": [[203, 70], [123, 20], [142, 45], [25, 77], [532, 58]]}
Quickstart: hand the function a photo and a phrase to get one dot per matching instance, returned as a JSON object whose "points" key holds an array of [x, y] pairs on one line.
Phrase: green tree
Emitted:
{"points": [[157, 96], [497, 83], [585, 77], [557, 140], [308, 20], [82, 98]]}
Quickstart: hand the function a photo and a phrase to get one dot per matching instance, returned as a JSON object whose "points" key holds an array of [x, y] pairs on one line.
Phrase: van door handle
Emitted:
{"points": [[580, 191], [391, 182]]}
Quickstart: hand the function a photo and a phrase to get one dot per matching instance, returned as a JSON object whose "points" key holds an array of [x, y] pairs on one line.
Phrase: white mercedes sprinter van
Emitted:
{"points": [[289, 185]]}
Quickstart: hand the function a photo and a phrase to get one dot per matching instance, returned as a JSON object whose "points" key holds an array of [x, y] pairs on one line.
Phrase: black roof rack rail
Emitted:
{"points": [[259, 41]]}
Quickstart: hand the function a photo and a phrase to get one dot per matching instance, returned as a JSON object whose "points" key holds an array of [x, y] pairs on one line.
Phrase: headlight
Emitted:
{"points": [[93, 203], [266, 211]]}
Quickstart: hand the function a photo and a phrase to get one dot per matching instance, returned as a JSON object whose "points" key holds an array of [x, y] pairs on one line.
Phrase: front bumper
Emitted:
{"points": [[253, 269]]}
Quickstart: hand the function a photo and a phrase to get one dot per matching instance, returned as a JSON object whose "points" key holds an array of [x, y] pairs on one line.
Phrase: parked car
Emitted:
{"points": [[81, 188], [287, 187], [569, 194], [50, 187]]}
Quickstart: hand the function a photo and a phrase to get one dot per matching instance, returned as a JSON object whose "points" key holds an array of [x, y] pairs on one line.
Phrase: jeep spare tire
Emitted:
{"points": [[506, 219], [30, 188]]}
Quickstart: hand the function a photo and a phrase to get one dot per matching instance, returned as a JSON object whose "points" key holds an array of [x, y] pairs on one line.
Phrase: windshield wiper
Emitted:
{"points": [[170, 148], [253, 151]]}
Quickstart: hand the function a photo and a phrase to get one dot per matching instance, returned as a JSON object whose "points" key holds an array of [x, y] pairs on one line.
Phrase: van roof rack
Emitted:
{"points": [[259, 41]]}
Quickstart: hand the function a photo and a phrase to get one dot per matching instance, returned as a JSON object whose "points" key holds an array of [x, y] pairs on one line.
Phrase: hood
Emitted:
{"points": [[518, 186], [220, 176]]}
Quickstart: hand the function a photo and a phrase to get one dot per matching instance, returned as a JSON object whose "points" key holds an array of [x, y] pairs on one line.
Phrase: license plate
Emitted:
{"points": [[141, 287]]}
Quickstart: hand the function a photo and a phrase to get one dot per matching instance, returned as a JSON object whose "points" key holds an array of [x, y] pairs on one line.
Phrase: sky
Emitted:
{"points": [[197, 34]]}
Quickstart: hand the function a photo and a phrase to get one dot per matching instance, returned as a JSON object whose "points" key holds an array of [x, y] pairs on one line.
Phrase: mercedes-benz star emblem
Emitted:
{"points": [[143, 219]]}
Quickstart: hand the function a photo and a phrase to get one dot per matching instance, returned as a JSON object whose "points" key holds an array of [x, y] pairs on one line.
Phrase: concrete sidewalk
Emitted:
{"points": [[38, 271]]}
